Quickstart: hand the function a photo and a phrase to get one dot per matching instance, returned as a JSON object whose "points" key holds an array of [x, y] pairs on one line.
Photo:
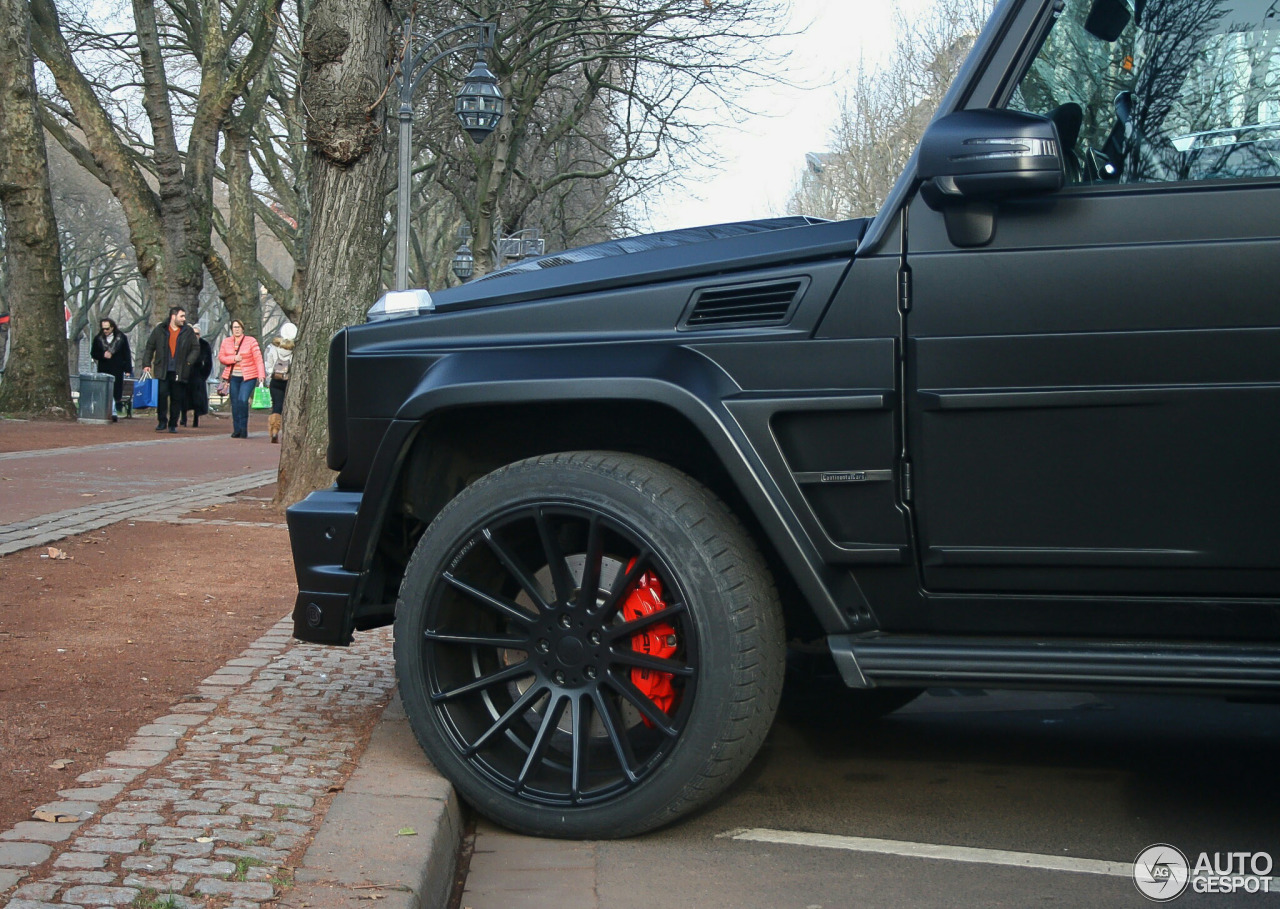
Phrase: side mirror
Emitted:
{"points": [[989, 154], [969, 160]]}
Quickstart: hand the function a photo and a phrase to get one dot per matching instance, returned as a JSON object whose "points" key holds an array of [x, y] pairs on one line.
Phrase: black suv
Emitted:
{"points": [[1019, 429]]}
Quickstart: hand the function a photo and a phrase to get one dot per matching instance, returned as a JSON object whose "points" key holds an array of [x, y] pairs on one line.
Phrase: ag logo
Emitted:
{"points": [[1161, 872]]}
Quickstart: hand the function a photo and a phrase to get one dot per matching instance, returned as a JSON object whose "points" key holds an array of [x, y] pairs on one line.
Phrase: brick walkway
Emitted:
{"points": [[211, 804]]}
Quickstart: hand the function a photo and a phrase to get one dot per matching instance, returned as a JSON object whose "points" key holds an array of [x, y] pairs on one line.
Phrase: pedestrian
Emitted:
{"points": [[198, 382], [242, 358], [170, 355], [110, 350], [279, 358]]}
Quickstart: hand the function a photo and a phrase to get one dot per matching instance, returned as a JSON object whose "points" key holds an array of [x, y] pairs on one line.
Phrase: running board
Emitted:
{"points": [[890, 660]]}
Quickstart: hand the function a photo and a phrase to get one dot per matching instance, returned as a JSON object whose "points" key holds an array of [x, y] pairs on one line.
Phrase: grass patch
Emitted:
{"points": [[243, 864], [151, 899]]}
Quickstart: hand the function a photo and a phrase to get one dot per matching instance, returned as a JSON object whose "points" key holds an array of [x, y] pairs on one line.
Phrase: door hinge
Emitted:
{"points": [[906, 480], [904, 289]]}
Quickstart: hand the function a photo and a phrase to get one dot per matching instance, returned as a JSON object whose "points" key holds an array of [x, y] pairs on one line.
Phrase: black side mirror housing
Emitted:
{"points": [[991, 154], [970, 160]]}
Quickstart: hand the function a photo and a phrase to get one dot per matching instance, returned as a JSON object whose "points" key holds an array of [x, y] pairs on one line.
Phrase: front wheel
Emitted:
{"points": [[588, 645]]}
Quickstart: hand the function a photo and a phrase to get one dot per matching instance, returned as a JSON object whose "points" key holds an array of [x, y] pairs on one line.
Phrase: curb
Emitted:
{"points": [[360, 852], [236, 780], [50, 528]]}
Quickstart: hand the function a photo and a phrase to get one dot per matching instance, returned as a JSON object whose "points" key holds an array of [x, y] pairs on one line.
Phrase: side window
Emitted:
{"points": [[1161, 90]]}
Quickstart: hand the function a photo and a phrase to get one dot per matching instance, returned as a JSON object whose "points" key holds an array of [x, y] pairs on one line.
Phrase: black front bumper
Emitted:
{"points": [[320, 528]]}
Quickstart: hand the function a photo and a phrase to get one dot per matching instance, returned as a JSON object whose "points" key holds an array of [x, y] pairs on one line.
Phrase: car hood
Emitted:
{"points": [[655, 257]]}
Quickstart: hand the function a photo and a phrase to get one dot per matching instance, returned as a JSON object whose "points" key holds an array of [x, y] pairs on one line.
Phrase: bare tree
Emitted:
{"points": [[345, 46], [608, 92], [192, 64], [238, 277], [885, 110], [35, 378], [99, 273]]}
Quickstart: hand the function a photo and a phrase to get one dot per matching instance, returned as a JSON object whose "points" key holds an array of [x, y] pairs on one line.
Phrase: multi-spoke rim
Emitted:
{"points": [[531, 660]]}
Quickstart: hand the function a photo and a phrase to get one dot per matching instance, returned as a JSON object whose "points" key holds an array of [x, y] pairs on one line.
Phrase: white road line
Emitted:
{"points": [[932, 851]]}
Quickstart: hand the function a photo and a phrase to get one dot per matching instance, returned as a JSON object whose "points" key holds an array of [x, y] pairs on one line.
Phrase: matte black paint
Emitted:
{"points": [[1045, 461]]}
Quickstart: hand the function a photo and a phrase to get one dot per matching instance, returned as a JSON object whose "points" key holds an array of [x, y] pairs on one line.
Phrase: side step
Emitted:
{"points": [[920, 660]]}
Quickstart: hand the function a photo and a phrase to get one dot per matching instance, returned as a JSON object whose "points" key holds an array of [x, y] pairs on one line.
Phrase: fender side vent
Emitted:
{"points": [[763, 304], [553, 261]]}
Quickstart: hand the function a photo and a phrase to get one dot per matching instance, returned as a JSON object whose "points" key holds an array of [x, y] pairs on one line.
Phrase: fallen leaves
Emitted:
{"points": [[53, 552], [61, 764], [53, 817]]}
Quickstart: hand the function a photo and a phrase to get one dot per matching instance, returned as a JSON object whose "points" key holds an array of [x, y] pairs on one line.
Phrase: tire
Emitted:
{"points": [[520, 635]]}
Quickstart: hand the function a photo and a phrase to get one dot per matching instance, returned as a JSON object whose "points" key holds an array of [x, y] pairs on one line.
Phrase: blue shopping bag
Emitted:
{"points": [[144, 393]]}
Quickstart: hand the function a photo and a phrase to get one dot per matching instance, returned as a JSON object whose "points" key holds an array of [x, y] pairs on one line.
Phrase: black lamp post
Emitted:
{"points": [[479, 107]]}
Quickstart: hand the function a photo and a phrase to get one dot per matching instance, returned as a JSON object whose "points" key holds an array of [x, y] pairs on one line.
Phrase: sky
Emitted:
{"points": [[763, 155]]}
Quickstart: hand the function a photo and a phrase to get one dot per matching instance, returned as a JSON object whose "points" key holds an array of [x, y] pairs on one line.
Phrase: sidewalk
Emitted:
{"points": [[255, 788]]}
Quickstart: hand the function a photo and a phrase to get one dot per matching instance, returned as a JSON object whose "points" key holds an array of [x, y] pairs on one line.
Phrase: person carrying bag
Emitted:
{"points": [[279, 359], [241, 358]]}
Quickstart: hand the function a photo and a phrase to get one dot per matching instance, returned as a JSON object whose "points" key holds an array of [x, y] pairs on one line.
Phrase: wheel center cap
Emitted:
{"points": [[570, 651]]}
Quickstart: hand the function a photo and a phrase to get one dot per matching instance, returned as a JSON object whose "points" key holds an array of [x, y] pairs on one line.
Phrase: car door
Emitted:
{"points": [[1094, 395]]}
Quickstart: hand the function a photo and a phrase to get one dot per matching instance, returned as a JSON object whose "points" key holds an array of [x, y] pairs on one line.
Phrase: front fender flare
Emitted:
{"points": [[677, 377]]}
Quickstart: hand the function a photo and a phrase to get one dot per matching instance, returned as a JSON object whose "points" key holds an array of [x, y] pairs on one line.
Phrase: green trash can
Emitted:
{"points": [[95, 397]]}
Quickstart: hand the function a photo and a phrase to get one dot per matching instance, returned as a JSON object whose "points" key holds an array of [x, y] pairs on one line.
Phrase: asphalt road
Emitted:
{"points": [[1062, 776]]}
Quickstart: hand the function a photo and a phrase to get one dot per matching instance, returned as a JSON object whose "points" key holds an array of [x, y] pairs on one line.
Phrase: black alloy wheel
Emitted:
{"points": [[588, 645]]}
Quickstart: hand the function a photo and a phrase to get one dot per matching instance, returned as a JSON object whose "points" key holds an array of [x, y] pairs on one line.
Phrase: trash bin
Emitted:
{"points": [[95, 397]]}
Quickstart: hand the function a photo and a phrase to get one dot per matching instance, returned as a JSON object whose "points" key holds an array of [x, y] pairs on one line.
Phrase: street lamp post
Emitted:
{"points": [[479, 107]]}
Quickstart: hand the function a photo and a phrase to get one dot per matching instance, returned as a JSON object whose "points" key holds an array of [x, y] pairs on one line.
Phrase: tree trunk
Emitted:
{"points": [[345, 49], [245, 300], [35, 378]]}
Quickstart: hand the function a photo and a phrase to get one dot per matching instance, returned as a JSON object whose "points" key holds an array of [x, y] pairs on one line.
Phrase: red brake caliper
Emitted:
{"points": [[658, 640]]}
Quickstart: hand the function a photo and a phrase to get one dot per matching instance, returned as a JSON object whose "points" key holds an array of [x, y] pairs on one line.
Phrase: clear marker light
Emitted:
{"points": [[397, 303]]}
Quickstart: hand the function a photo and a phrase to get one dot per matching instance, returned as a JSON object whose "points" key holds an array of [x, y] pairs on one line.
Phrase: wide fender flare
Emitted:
{"points": [[675, 376], [680, 378]]}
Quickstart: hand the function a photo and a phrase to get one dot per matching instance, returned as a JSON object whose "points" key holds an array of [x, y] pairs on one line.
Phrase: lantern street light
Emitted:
{"points": [[479, 107], [464, 263]]}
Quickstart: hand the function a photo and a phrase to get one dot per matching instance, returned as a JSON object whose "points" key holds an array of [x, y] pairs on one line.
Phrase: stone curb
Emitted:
{"points": [[104, 446], [212, 800], [226, 766], [50, 528], [365, 850]]}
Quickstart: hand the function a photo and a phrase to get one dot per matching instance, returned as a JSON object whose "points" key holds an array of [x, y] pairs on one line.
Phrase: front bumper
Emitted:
{"points": [[320, 528]]}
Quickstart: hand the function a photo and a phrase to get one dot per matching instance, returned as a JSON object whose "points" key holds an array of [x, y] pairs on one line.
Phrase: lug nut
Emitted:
{"points": [[543, 646], [591, 672], [565, 621], [594, 637], [559, 677]]}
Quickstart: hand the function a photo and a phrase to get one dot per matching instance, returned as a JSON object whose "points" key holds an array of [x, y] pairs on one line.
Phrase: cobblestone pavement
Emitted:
{"points": [[212, 804], [160, 506]]}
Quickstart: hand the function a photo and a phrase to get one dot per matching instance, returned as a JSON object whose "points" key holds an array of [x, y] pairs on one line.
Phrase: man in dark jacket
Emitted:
{"points": [[171, 352], [111, 351]]}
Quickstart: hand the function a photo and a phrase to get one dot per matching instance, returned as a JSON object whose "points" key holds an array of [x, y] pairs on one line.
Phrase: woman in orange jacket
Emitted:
{"points": [[241, 358]]}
